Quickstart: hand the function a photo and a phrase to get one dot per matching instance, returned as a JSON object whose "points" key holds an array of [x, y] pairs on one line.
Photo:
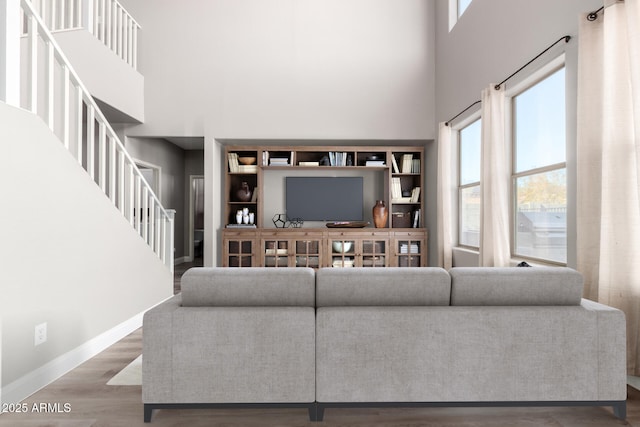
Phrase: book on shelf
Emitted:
{"points": [[394, 164], [254, 195], [415, 166], [234, 165], [337, 158], [396, 188], [308, 163], [407, 163], [265, 158], [374, 163], [416, 218], [415, 195]]}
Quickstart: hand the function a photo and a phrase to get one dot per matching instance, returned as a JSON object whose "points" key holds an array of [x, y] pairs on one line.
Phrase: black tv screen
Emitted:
{"points": [[324, 198]]}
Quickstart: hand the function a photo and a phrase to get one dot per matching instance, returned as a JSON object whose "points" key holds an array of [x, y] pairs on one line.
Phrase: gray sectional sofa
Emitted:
{"points": [[344, 337]]}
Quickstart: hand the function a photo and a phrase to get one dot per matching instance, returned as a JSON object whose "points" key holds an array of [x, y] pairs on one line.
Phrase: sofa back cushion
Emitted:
{"points": [[390, 286], [248, 287], [473, 286]]}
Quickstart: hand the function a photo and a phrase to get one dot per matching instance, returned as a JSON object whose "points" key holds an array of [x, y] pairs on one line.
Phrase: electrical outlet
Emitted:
{"points": [[40, 334]]}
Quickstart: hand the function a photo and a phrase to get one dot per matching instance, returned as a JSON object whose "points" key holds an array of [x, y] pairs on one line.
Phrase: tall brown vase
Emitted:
{"points": [[244, 193], [380, 214]]}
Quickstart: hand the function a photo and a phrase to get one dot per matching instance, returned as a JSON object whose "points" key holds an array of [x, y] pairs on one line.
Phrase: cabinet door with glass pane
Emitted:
{"points": [[308, 250], [276, 251], [341, 250], [410, 249], [239, 250], [373, 252]]}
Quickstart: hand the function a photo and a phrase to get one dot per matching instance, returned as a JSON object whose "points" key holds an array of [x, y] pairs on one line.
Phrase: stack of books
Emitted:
{"points": [[374, 163], [347, 262], [279, 161], [396, 192], [235, 166], [409, 249]]}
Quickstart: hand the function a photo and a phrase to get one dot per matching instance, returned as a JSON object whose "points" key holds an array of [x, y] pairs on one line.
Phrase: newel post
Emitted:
{"points": [[10, 52]]}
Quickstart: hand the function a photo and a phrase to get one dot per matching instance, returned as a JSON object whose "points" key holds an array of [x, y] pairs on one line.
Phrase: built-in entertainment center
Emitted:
{"points": [[311, 206]]}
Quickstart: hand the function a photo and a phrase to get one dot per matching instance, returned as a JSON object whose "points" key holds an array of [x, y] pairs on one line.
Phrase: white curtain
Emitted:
{"points": [[608, 159], [494, 182], [445, 210]]}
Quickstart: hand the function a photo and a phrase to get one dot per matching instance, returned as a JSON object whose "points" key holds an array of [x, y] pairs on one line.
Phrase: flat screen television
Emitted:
{"points": [[324, 198]]}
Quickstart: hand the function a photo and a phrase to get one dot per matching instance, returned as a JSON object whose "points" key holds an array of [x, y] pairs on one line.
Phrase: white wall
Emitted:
{"points": [[490, 41], [284, 69], [68, 256], [105, 75], [287, 68]]}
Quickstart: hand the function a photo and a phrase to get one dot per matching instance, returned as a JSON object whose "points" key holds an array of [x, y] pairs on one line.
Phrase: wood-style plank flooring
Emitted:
{"points": [[93, 403]]}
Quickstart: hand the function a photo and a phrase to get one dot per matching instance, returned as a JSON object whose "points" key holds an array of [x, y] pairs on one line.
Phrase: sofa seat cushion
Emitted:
{"points": [[248, 287], [486, 286], [391, 286]]}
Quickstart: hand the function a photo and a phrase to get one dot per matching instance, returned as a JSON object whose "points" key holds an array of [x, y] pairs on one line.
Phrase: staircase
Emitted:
{"points": [[89, 243], [51, 89]]}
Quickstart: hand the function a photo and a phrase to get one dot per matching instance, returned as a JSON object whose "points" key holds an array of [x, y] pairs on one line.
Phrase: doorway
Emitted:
{"points": [[151, 174], [196, 218]]}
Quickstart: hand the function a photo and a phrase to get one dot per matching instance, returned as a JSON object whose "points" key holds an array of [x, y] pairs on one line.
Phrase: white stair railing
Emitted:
{"points": [[107, 20], [51, 89]]}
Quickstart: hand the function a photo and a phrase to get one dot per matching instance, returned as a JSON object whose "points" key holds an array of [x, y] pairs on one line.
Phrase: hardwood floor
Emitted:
{"points": [[93, 403]]}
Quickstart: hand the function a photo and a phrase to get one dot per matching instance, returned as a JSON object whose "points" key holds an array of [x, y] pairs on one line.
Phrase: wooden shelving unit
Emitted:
{"points": [[402, 243]]}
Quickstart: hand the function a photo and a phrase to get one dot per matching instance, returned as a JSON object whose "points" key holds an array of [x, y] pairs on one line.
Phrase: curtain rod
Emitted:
{"points": [[594, 15], [566, 40], [460, 113]]}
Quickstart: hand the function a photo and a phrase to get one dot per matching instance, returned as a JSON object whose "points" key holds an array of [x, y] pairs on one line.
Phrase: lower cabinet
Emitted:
{"points": [[324, 248], [239, 250]]}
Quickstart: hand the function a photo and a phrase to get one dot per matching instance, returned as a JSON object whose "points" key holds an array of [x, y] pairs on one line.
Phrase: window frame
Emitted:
{"points": [[535, 78], [454, 15], [458, 128]]}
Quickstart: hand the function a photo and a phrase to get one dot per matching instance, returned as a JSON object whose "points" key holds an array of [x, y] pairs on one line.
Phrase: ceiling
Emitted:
{"points": [[187, 142]]}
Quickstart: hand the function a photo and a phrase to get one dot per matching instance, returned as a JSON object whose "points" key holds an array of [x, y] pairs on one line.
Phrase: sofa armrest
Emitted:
{"points": [[157, 326], [612, 354]]}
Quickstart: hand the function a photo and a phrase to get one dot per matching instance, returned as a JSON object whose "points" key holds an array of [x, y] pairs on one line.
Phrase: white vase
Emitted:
{"points": [[245, 219], [239, 217], [251, 217]]}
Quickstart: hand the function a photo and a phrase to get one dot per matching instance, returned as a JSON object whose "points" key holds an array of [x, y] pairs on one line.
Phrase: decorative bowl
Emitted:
{"points": [[342, 247], [247, 160]]}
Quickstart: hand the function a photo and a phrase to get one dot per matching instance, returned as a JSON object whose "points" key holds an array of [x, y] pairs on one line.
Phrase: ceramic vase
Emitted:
{"points": [[380, 214], [244, 193]]}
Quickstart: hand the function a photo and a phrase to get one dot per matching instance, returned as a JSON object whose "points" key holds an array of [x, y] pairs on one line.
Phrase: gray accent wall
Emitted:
{"points": [[171, 159]]}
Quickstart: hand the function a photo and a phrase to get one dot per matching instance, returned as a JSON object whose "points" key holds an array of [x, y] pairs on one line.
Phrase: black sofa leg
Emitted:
{"points": [[316, 413], [620, 410], [148, 410]]}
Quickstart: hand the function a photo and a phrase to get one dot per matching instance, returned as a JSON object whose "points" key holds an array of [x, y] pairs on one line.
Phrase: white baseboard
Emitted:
{"points": [[182, 260], [25, 386]]}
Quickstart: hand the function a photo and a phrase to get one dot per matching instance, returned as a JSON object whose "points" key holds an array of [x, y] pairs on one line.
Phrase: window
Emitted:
{"points": [[539, 171], [469, 186], [462, 6], [456, 9]]}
